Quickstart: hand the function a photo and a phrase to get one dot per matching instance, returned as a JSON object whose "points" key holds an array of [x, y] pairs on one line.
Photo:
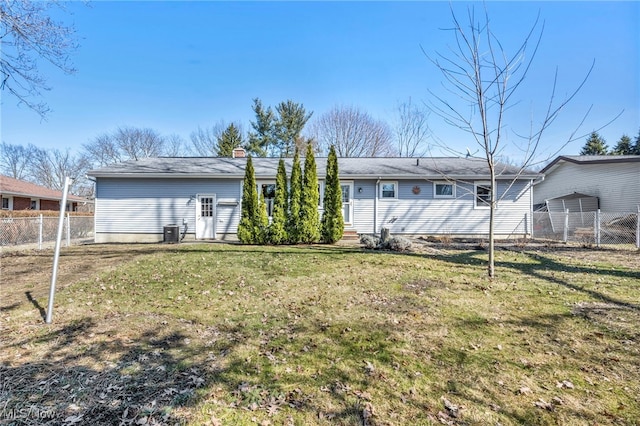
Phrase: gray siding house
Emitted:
{"points": [[135, 200], [613, 179]]}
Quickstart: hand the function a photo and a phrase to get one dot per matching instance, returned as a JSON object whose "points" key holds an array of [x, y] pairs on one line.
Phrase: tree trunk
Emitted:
{"points": [[492, 211]]}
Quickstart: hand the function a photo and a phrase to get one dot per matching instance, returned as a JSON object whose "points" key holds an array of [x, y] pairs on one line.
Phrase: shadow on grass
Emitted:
{"points": [[92, 376], [34, 302], [545, 268], [158, 375]]}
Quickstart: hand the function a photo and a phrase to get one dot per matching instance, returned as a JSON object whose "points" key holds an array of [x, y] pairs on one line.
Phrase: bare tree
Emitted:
{"points": [[204, 141], [411, 129], [353, 132], [15, 160], [50, 168], [174, 146], [128, 143], [28, 35], [486, 78]]}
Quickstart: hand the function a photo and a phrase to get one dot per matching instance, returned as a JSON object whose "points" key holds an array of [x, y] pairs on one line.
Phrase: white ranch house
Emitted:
{"points": [[136, 200]]}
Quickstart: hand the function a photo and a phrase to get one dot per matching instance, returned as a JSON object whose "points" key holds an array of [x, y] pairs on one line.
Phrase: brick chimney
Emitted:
{"points": [[239, 152]]}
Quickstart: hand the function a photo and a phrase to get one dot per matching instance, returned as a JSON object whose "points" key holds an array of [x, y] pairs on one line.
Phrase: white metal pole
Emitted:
{"points": [[56, 256], [566, 225], [40, 228]]}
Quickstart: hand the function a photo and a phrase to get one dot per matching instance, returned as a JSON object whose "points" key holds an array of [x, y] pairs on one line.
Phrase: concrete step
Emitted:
{"points": [[350, 234]]}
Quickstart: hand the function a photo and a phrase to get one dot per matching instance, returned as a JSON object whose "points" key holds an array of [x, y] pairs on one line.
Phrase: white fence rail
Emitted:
{"points": [[589, 228], [42, 229]]}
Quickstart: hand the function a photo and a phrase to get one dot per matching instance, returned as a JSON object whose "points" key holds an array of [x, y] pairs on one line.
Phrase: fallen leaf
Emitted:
{"points": [[541, 403], [525, 390], [452, 408]]}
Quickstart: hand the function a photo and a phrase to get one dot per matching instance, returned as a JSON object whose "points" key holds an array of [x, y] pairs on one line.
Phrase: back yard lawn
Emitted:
{"points": [[223, 334]]}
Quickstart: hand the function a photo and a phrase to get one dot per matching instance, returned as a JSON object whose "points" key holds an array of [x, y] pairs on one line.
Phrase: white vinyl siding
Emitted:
{"points": [[145, 206], [421, 214], [617, 185]]}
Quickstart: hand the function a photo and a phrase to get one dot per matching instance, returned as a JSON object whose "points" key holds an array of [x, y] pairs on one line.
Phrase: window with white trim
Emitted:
{"points": [[482, 191], [388, 190], [444, 189], [5, 203]]}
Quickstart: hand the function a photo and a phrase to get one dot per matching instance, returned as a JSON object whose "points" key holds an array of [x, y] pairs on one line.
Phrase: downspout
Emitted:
{"points": [[375, 207]]}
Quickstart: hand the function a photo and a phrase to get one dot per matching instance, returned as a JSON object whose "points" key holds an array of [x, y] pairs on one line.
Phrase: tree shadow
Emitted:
{"points": [[546, 269]]}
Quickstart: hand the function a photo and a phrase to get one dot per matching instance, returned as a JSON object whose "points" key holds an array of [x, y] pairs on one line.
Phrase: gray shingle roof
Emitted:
{"points": [[385, 168], [592, 159]]}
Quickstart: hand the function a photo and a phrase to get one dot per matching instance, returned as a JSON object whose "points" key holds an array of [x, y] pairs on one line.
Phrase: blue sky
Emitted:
{"points": [[174, 66]]}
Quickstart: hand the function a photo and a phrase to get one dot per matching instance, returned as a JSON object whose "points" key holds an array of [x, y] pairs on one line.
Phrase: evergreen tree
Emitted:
{"points": [[278, 228], [635, 150], [291, 119], [309, 216], [262, 139], [262, 222], [595, 145], [295, 199], [623, 147], [228, 140], [247, 228], [332, 225]]}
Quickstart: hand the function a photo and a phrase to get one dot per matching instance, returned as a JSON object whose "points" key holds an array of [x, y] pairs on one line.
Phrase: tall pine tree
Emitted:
{"points": [[295, 199], [309, 216], [278, 227], [262, 139], [623, 147], [635, 150], [595, 145], [228, 140], [332, 225], [291, 119], [262, 222], [248, 228]]}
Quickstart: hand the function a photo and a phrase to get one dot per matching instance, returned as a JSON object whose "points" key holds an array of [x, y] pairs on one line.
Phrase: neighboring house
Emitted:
{"points": [[588, 182], [136, 200], [20, 195]]}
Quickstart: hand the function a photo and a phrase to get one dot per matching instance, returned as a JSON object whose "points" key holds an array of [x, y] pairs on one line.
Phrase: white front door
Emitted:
{"points": [[347, 202], [205, 217]]}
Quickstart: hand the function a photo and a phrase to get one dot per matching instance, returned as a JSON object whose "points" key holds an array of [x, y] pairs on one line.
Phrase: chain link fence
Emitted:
{"points": [[588, 228], [43, 229]]}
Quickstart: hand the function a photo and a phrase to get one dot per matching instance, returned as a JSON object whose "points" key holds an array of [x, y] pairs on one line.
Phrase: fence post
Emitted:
{"points": [[597, 219], [638, 228], [40, 228], [526, 228], [68, 231], [565, 236]]}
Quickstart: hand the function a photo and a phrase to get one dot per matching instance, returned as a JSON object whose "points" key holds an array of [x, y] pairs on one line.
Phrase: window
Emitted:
{"points": [[444, 190], [5, 203], [483, 195], [34, 204], [206, 206], [388, 190], [268, 191]]}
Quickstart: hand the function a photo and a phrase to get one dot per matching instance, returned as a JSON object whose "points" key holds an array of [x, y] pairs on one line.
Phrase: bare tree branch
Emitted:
{"points": [[28, 36]]}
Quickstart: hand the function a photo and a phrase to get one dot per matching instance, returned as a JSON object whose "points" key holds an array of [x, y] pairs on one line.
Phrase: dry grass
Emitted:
{"points": [[229, 334]]}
